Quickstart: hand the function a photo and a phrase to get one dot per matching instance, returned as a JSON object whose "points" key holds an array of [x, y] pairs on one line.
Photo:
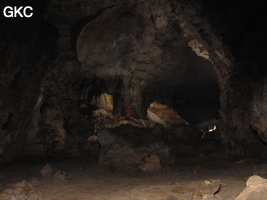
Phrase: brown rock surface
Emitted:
{"points": [[256, 189], [208, 188], [164, 115], [22, 190], [151, 164], [125, 147], [47, 170]]}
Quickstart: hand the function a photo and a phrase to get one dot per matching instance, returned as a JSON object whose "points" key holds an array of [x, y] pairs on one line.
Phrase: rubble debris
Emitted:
{"points": [[208, 188], [47, 170]]}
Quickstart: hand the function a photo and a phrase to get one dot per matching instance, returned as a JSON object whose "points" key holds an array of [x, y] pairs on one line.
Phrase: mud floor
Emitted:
{"points": [[82, 180]]}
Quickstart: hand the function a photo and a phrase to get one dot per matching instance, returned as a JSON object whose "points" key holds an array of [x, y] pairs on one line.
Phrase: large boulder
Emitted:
{"points": [[126, 147], [256, 189], [164, 115], [208, 188]]}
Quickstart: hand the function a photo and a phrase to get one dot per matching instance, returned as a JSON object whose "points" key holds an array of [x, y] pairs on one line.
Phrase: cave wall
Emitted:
{"points": [[27, 48], [140, 44], [218, 31], [134, 50], [258, 109]]}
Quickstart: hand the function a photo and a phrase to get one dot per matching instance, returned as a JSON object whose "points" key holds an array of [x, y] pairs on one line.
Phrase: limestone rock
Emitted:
{"points": [[54, 121], [22, 190], [60, 176], [112, 122], [198, 48], [92, 147], [33, 181], [101, 113], [208, 188], [104, 101], [22, 184], [258, 110], [151, 164], [256, 189], [134, 45], [164, 115], [47, 170], [106, 39], [126, 146]]}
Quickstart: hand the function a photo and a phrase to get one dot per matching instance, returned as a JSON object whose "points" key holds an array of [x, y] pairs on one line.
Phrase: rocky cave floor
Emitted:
{"points": [[78, 179]]}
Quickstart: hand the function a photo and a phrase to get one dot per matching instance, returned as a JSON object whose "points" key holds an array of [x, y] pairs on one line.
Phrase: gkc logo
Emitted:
{"points": [[15, 11]]}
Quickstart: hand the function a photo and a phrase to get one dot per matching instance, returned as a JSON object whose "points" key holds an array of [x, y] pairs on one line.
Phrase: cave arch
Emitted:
{"points": [[197, 97]]}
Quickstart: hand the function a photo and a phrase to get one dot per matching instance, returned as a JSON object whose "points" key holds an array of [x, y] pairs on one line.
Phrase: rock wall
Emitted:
{"points": [[140, 44], [27, 47], [258, 110], [138, 52], [207, 27]]}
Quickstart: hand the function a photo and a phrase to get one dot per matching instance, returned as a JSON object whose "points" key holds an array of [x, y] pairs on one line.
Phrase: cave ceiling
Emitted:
{"points": [[128, 41], [123, 42]]}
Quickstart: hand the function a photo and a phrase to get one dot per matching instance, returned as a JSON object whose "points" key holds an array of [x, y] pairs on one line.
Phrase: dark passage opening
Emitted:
{"points": [[197, 97]]}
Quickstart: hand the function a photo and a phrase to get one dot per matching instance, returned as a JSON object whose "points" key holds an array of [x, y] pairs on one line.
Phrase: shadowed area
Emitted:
{"points": [[133, 100]]}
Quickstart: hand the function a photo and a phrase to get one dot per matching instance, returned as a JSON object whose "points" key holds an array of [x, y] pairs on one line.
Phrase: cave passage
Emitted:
{"points": [[197, 98], [136, 100]]}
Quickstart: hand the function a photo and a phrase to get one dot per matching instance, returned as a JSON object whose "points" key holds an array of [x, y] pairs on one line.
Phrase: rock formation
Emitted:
{"points": [[164, 115], [256, 189], [126, 147], [205, 59]]}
